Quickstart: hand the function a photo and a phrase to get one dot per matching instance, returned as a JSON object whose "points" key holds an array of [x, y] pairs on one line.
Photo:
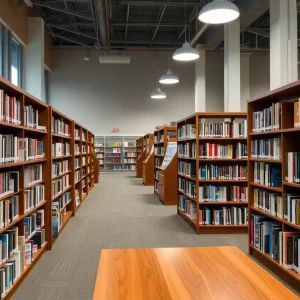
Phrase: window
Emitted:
{"points": [[1, 49], [15, 62], [46, 81]]}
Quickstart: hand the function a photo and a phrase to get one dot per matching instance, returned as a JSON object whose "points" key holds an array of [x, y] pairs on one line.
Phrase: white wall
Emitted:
{"points": [[101, 96]]}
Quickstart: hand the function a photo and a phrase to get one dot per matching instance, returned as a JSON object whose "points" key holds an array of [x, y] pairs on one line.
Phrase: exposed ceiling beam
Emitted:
{"points": [[136, 42], [159, 18], [102, 24], [150, 24], [83, 15], [72, 40], [258, 31], [127, 20], [132, 2], [199, 34], [191, 18], [90, 36]]}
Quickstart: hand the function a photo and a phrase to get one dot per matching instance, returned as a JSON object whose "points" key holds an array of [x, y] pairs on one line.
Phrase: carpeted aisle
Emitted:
{"points": [[118, 213]]}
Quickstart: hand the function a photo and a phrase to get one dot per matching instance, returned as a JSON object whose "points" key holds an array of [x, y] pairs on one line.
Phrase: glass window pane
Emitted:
{"points": [[15, 62]]}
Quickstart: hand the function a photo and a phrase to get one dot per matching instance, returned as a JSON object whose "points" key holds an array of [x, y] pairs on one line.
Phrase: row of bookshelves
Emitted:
{"points": [[116, 153], [37, 180]]}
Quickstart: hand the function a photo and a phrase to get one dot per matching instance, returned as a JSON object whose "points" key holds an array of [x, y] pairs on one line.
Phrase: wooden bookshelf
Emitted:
{"points": [[140, 157], [288, 136], [148, 163], [33, 125], [192, 139], [165, 179]]}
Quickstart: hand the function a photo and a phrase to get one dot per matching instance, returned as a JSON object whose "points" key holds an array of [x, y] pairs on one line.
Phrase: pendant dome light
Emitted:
{"points": [[169, 78], [158, 94], [186, 52], [219, 12]]}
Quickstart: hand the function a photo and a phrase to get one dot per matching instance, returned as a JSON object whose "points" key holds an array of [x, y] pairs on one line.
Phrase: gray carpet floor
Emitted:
{"points": [[118, 213]]}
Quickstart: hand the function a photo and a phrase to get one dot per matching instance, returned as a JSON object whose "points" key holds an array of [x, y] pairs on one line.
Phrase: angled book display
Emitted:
{"points": [[140, 157], [148, 163], [165, 164]]}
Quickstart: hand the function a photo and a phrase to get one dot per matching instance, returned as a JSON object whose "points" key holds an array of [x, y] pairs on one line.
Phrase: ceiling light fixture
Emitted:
{"points": [[186, 52], [219, 12], [158, 94], [169, 78], [87, 57]]}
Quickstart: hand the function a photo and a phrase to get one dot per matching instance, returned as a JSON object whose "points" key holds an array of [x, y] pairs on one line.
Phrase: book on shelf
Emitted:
{"points": [[268, 201], [187, 168], [58, 185], [232, 215], [267, 119], [10, 109], [77, 176], [267, 174], [62, 201], [129, 168], [187, 150], [9, 183], [282, 246], [77, 136], [222, 172], [266, 148], [188, 207], [292, 167], [33, 174], [30, 149], [56, 220], [60, 127], [296, 113], [187, 132], [77, 198], [210, 193], [58, 167], [9, 210], [32, 118], [187, 186], [33, 197], [32, 225], [223, 129], [218, 151], [291, 208]]}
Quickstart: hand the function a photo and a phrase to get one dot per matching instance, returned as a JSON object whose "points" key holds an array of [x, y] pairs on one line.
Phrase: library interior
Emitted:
{"points": [[149, 149]]}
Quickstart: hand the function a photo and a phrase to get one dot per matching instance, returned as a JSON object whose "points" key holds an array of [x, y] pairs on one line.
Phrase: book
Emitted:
{"points": [[296, 113], [222, 172], [267, 174]]}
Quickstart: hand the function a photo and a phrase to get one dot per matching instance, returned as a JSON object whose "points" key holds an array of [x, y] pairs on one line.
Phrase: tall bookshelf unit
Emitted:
{"points": [[99, 150], [140, 153], [276, 204], [29, 187], [61, 193], [148, 163], [165, 179], [130, 155], [205, 195], [19, 195]]}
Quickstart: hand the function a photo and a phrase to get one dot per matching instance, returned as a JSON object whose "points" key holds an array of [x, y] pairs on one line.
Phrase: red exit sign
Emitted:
{"points": [[116, 130]]}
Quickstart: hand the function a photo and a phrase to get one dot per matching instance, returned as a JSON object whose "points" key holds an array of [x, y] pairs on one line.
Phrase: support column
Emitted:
{"points": [[200, 92], [245, 82], [34, 58], [6, 54], [283, 43], [232, 67]]}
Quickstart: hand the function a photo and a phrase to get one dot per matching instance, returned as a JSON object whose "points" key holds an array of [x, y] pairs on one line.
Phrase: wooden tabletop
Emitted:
{"points": [[218, 273]]}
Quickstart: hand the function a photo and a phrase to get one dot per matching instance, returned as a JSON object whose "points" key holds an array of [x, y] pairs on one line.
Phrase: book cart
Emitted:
{"points": [[148, 163], [165, 178], [212, 172], [274, 202]]}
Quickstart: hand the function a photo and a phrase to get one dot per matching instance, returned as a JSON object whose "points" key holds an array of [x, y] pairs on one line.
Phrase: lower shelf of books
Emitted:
{"points": [[288, 275], [191, 222], [36, 256], [61, 224]]}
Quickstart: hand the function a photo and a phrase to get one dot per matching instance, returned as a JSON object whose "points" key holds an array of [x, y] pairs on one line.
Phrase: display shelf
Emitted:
{"points": [[148, 163], [280, 124], [166, 179], [196, 155], [140, 157]]}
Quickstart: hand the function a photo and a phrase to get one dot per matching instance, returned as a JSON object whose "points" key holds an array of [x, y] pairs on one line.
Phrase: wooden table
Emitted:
{"points": [[219, 273]]}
